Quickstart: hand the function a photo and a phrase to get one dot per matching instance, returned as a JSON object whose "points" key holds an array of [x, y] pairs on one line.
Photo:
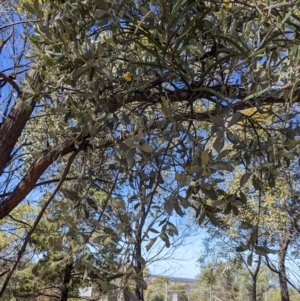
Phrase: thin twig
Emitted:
{"points": [[16, 23]]}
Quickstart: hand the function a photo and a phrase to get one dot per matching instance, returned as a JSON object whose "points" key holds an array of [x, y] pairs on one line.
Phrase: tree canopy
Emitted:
{"points": [[120, 117]]}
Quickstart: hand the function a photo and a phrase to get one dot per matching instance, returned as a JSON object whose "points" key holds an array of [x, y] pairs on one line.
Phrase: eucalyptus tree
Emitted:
{"points": [[231, 280], [261, 229], [142, 96]]}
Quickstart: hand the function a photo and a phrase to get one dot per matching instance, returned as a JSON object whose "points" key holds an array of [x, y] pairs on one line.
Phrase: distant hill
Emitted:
{"points": [[151, 279]]}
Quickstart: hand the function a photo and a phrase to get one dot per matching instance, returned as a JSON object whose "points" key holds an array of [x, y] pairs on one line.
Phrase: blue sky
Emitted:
{"points": [[184, 260]]}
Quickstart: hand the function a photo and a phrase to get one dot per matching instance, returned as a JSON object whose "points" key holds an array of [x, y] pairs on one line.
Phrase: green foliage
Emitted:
{"points": [[169, 108], [166, 76], [154, 293], [180, 290], [275, 295], [230, 281]]}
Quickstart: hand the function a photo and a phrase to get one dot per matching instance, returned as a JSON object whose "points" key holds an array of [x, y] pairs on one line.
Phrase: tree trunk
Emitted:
{"points": [[254, 280], [13, 125], [66, 283], [284, 241], [253, 297], [139, 291]]}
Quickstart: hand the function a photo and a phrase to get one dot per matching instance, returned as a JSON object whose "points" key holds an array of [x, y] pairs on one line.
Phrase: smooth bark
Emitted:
{"points": [[285, 239]]}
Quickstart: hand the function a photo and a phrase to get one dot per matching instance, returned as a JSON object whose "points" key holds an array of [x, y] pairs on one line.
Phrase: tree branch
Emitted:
{"points": [[11, 81], [35, 171], [18, 22], [13, 125], [26, 240]]}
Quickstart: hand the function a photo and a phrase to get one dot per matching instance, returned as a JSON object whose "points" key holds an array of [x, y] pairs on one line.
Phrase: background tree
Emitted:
{"points": [[231, 280]]}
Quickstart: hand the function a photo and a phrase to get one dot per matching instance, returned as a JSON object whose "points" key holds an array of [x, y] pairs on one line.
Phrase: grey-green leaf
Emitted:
{"points": [[128, 295], [146, 148], [245, 178], [235, 118], [79, 72], [169, 206]]}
